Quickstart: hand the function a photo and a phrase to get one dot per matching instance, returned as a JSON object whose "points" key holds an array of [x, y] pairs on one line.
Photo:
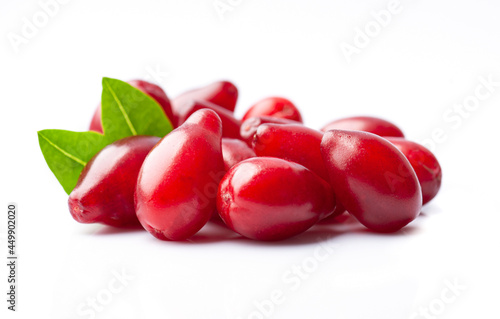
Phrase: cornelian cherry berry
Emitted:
{"points": [[150, 89], [372, 179], [276, 107], [230, 125], [235, 151], [367, 124], [177, 185], [221, 93], [424, 163], [105, 190], [249, 126], [292, 142], [267, 198]]}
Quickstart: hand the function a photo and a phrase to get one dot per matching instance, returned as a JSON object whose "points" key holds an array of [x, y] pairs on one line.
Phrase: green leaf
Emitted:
{"points": [[128, 111], [67, 153]]}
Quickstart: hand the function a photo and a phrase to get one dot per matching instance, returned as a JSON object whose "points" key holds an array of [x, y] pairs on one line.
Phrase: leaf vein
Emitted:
{"points": [[122, 110], [74, 158]]}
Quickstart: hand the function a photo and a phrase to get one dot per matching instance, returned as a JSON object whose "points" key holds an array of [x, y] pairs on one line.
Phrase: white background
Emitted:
{"points": [[430, 57]]}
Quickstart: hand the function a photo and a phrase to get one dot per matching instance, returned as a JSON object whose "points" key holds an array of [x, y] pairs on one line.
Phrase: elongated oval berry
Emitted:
{"points": [[424, 163], [292, 142], [150, 89], [267, 198], [221, 93], [372, 179], [105, 190], [276, 107], [249, 126], [177, 185], [235, 151], [367, 124], [230, 125]]}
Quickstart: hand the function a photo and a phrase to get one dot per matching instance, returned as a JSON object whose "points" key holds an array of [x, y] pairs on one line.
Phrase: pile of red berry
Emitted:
{"points": [[267, 176]]}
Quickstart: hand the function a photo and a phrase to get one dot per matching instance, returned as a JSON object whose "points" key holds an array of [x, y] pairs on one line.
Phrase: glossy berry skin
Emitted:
{"points": [[292, 142], [276, 107], [235, 151], [221, 93], [105, 190], [372, 179], [177, 185], [424, 163], [150, 89], [267, 198], [230, 125], [369, 124], [249, 126]]}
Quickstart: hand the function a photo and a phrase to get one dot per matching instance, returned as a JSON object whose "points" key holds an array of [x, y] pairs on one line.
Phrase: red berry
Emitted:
{"points": [[222, 93], [235, 151], [367, 124], [105, 190], [292, 142], [276, 107], [177, 185], [267, 198], [230, 125], [249, 126], [150, 89], [372, 179], [424, 163]]}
